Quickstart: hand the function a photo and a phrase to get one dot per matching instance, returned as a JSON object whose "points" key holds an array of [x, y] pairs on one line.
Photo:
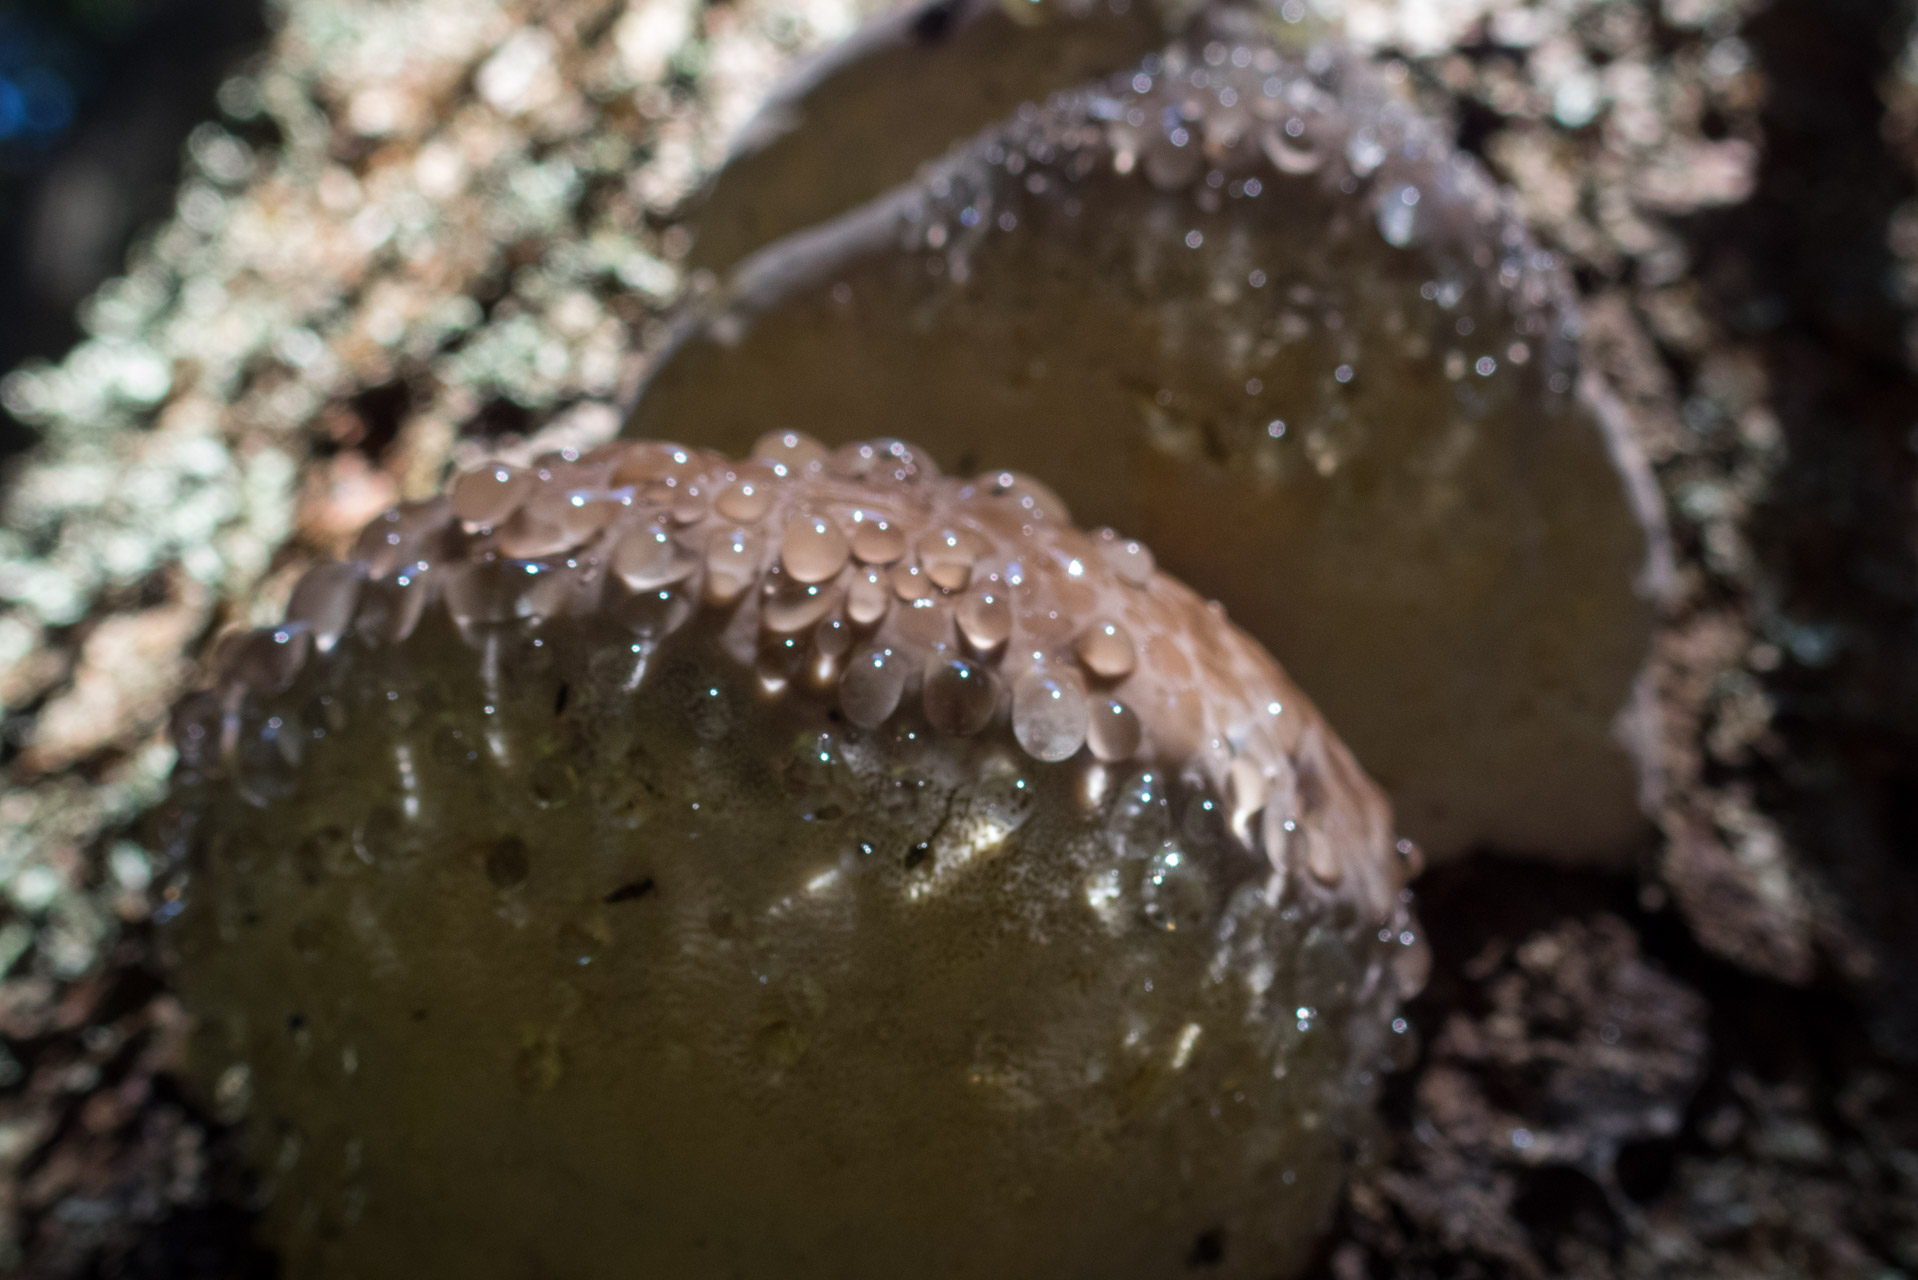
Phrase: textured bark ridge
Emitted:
{"points": [[647, 863], [1257, 309]]}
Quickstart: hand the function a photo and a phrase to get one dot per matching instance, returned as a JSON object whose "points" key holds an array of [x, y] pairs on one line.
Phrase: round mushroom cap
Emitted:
{"points": [[1255, 308], [642, 862]]}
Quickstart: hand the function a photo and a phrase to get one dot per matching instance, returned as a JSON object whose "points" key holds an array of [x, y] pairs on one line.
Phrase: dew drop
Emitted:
{"points": [[650, 558], [790, 607], [910, 582], [1107, 651], [794, 450], [1049, 712], [813, 549], [268, 660], [871, 687], [390, 608], [1113, 731], [749, 497], [948, 557], [1129, 558], [732, 563], [485, 498], [868, 598], [985, 619], [877, 541], [324, 600], [959, 696]]}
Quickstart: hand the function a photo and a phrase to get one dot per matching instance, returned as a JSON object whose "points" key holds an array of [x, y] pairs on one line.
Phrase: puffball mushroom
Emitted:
{"points": [[647, 864], [1256, 309]]}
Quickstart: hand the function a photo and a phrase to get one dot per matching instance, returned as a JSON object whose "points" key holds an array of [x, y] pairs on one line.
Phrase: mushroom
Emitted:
{"points": [[1256, 309], [641, 863], [830, 134]]}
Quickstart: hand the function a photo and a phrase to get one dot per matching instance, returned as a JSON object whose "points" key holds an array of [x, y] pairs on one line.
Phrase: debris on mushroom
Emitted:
{"points": [[862, 116], [1256, 309], [643, 863]]}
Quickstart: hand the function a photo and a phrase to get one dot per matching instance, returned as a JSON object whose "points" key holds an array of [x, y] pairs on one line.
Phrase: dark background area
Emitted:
{"points": [[96, 99]]}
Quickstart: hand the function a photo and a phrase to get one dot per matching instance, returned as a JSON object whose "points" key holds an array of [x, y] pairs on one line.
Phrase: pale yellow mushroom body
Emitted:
{"points": [[652, 864]]}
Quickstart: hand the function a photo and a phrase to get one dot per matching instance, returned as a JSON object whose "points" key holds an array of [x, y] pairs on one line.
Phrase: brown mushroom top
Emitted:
{"points": [[863, 578]]}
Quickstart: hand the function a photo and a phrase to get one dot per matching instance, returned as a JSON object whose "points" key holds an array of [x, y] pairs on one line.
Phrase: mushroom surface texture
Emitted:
{"points": [[1257, 310], [642, 863]]}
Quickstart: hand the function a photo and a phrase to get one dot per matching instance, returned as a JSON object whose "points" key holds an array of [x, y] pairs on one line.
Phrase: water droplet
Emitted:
{"points": [[267, 660], [959, 696], [487, 497], [871, 687], [813, 549], [1114, 731], [985, 618], [790, 607], [868, 598], [323, 600], [649, 558], [794, 450], [1107, 651], [877, 541], [909, 582], [732, 563], [948, 557], [749, 497], [490, 590], [390, 608], [1129, 558], [1049, 713]]}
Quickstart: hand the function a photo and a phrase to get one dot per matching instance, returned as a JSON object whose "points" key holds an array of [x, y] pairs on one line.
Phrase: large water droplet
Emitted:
{"points": [[1106, 649], [750, 496], [485, 498], [793, 450], [732, 564], [871, 687], [1049, 712], [1113, 730], [868, 598], [813, 549], [959, 696], [324, 599], [1129, 558], [985, 617], [650, 558], [877, 541]]}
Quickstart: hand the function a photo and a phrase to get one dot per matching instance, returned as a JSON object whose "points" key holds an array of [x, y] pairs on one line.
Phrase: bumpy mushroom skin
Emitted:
{"points": [[1258, 310], [833, 134], [651, 865]]}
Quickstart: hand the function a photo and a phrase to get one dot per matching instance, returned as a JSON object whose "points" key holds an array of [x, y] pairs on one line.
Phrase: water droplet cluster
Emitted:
{"points": [[1256, 308], [800, 866]]}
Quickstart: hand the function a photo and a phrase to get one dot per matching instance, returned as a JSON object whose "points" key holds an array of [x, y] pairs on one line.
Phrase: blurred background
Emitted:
{"points": [[96, 99]]}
